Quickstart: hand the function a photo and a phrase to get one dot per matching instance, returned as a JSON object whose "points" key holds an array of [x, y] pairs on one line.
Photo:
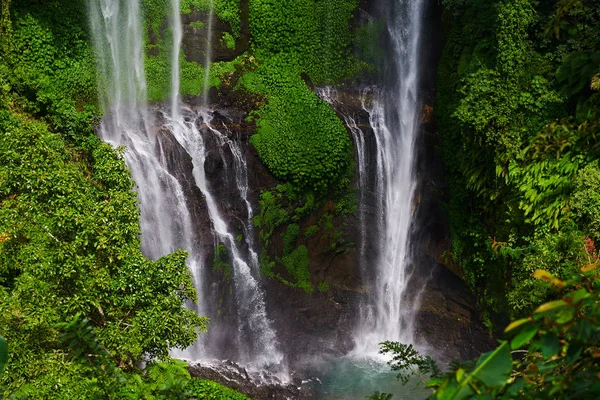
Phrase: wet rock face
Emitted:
{"points": [[323, 323], [447, 319], [264, 386], [196, 36]]}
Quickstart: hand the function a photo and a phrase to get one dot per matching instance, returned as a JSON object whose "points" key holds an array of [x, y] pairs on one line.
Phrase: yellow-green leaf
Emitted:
{"points": [[542, 275], [553, 305], [516, 324]]}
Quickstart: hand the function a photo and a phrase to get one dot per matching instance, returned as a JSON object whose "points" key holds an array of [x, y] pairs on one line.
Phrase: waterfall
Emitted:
{"points": [[177, 37], [256, 340], [120, 65], [208, 59], [394, 117], [330, 95], [116, 30], [166, 220]]}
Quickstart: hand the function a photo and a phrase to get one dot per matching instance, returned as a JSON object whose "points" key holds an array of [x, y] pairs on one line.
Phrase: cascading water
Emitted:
{"points": [[330, 95], [393, 113], [394, 117], [167, 222], [127, 122], [256, 340]]}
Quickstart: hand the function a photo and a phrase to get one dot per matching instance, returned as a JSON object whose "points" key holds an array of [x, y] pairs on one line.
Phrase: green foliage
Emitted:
{"points": [[323, 287], [311, 231], [229, 11], [518, 122], [290, 238], [407, 361], [285, 236], [48, 65], [561, 340], [204, 389], [313, 35], [561, 253], [585, 200], [299, 137], [228, 40], [296, 264], [221, 261], [91, 373]]}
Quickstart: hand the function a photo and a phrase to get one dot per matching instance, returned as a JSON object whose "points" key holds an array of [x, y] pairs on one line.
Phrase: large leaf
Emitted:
{"points": [[523, 337], [553, 305], [493, 369], [550, 345], [516, 324]]}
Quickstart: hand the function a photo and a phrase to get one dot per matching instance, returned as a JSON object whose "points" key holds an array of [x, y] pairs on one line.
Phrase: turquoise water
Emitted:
{"points": [[352, 380]]}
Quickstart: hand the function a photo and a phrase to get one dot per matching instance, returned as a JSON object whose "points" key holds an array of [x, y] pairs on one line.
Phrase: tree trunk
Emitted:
{"points": [[5, 28], [5, 23]]}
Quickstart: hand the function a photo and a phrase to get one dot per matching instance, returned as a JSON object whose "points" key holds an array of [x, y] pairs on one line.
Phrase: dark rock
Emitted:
{"points": [[255, 386], [196, 36]]}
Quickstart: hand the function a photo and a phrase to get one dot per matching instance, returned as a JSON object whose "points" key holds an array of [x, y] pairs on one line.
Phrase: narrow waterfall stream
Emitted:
{"points": [[394, 117]]}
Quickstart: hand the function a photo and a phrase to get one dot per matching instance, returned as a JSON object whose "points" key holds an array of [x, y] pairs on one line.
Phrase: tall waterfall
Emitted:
{"points": [[127, 122], [394, 117], [393, 112], [167, 221]]}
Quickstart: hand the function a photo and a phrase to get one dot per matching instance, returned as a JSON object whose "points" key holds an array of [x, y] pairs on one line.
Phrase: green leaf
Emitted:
{"points": [[565, 316], [525, 336], [553, 305], [574, 351], [550, 345], [516, 324], [579, 295], [493, 368]]}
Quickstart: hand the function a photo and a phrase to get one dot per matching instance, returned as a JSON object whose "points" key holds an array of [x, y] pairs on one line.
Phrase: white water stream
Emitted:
{"points": [[165, 217], [394, 117], [394, 120]]}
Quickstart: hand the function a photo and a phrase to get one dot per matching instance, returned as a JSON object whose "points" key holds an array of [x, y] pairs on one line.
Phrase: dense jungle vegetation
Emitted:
{"points": [[80, 306], [518, 105], [519, 117]]}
